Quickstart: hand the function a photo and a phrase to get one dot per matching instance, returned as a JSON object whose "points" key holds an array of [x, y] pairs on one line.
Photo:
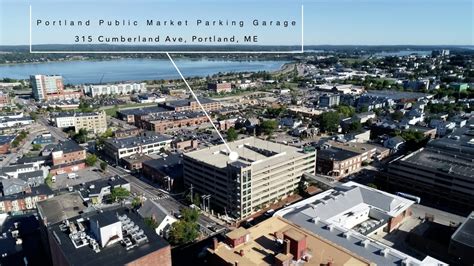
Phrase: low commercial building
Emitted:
{"points": [[5, 143], [133, 116], [369, 152], [115, 89], [9, 122], [135, 162], [132, 132], [148, 143], [219, 87], [185, 144], [264, 173], [348, 215], [284, 243], [166, 171], [161, 123], [67, 157], [339, 163], [188, 105], [75, 236], [95, 192], [95, 122]]}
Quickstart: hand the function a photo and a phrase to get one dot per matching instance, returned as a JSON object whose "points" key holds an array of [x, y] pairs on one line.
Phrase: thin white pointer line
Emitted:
{"points": [[200, 105], [30, 29], [302, 29]]}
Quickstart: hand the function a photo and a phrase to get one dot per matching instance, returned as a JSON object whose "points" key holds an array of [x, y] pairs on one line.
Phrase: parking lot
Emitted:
{"points": [[83, 176]]}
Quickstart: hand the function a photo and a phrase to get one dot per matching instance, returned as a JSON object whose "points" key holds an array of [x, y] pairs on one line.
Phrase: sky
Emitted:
{"points": [[333, 22]]}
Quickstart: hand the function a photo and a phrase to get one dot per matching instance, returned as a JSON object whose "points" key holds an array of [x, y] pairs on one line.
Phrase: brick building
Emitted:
{"points": [[5, 142], [218, 87], [25, 200], [4, 99], [187, 105], [67, 157], [163, 122], [47, 88], [338, 163]]}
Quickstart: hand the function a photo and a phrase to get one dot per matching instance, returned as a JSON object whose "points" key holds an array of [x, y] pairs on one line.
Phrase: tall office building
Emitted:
{"points": [[47, 88], [264, 173], [43, 85]]}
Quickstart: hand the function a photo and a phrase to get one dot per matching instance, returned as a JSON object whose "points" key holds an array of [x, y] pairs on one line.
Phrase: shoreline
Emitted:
{"points": [[206, 58], [282, 68]]}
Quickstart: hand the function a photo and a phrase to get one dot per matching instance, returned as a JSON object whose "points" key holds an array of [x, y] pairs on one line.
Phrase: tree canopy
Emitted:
{"points": [[232, 134], [186, 229], [329, 121], [91, 159], [268, 126], [119, 193]]}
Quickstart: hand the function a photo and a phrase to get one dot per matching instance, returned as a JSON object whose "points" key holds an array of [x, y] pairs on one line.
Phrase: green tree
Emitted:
{"points": [[108, 133], [91, 159], [136, 202], [81, 136], [397, 115], [36, 147], [345, 110], [414, 139], [268, 126], [232, 134], [355, 126], [103, 166], [151, 222], [118, 194], [33, 116], [49, 180], [329, 121], [372, 185], [186, 229]]}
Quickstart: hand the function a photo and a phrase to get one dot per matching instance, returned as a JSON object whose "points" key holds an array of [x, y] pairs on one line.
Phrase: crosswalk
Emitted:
{"points": [[164, 196]]}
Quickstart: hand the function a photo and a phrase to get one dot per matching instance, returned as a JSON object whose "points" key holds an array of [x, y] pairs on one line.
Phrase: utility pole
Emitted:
{"points": [[209, 203], [191, 188], [203, 203]]}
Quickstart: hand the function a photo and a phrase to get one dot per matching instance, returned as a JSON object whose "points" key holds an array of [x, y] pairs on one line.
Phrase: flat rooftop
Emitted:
{"points": [[149, 138], [114, 254], [61, 207], [319, 215], [336, 154], [397, 95], [357, 147], [460, 164], [465, 233], [143, 110], [252, 151], [262, 248]]}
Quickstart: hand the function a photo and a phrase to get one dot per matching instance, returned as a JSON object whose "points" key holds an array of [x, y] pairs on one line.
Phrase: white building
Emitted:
{"points": [[95, 122], [114, 89], [122, 148]]}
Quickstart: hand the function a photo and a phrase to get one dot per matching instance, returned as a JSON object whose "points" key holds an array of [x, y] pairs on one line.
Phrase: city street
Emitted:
{"points": [[34, 130], [56, 132], [164, 199]]}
